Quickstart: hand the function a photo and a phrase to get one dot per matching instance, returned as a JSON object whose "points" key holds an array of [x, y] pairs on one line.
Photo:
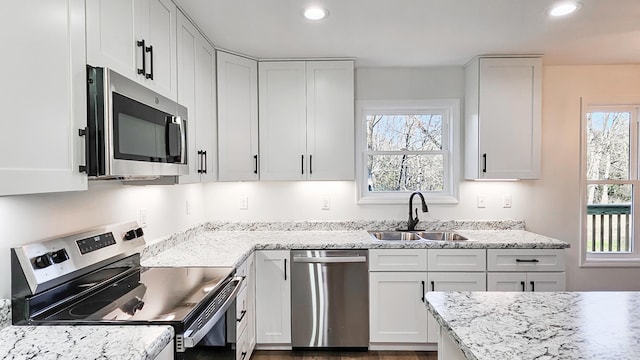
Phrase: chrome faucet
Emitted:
{"points": [[411, 225]]}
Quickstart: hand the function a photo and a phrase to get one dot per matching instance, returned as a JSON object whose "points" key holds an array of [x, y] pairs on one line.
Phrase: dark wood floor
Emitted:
{"points": [[341, 355]]}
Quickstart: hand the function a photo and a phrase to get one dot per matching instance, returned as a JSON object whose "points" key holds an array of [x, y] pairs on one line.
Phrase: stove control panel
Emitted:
{"points": [[95, 242]]}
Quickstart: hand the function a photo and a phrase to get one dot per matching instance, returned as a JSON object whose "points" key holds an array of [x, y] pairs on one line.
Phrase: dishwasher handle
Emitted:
{"points": [[329, 259]]}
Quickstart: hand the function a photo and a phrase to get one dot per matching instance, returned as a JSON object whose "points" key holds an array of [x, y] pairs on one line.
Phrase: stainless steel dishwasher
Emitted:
{"points": [[329, 299]]}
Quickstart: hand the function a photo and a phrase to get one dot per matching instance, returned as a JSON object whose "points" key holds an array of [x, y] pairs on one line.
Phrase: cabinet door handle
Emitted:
{"points": [[255, 160], [522, 284], [206, 167], [243, 355], [242, 314], [149, 49], [285, 269], [422, 298], [527, 260], [302, 164], [310, 164], [484, 163], [533, 285], [433, 286], [200, 161], [141, 45]]}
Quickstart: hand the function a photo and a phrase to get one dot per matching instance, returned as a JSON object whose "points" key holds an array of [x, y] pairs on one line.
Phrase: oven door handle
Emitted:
{"points": [[191, 338]]}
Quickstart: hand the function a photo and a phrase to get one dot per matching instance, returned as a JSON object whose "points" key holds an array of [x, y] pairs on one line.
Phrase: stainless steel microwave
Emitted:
{"points": [[132, 132]]}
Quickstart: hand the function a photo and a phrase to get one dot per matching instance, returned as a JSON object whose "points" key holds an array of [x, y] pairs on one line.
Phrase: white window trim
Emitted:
{"points": [[452, 168], [610, 260]]}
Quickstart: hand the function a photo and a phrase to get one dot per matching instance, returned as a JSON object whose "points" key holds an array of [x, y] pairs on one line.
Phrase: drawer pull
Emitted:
{"points": [[243, 355], [533, 286], [522, 284], [527, 260], [242, 314], [422, 298]]}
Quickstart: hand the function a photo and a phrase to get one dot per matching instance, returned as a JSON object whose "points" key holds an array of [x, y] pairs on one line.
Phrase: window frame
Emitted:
{"points": [[631, 259], [450, 108]]}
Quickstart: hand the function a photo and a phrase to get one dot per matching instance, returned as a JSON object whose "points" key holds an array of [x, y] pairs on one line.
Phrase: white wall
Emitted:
{"points": [[29, 218], [302, 200], [555, 207]]}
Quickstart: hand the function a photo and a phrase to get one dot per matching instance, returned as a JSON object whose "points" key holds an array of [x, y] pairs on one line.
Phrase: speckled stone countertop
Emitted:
{"points": [[84, 342], [80, 342], [230, 248], [531, 325]]}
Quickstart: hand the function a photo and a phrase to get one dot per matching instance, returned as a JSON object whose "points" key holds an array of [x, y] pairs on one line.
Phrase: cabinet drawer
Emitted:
{"points": [[242, 311], [398, 260], [458, 281], [525, 260], [243, 270], [242, 346], [457, 259]]}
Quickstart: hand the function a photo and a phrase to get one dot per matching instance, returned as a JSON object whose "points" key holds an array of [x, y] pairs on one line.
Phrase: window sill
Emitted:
{"points": [[403, 199], [610, 263]]}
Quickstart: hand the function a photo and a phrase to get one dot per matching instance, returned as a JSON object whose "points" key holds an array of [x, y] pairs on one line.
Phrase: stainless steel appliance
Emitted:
{"points": [[132, 132], [330, 299], [95, 277]]}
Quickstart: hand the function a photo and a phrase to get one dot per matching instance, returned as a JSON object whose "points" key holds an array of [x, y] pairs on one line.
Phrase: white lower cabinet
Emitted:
{"points": [[167, 353], [245, 310], [273, 288], [522, 281], [397, 312]]}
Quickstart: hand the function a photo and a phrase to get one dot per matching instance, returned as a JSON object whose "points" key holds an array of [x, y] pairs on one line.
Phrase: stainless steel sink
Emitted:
{"points": [[441, 236], [416, 236], [394, 235]]}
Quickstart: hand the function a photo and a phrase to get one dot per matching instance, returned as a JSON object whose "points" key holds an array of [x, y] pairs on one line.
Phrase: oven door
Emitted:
{"points": [[213, 330]]}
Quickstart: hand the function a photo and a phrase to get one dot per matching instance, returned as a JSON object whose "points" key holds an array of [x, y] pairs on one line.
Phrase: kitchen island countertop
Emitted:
{"points": [[544, 325]]}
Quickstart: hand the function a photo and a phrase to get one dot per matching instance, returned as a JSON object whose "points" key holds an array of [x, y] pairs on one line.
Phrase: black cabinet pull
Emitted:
{"points": [[205, 167], [141, 45], [255, 159], [149, 49], [527, 260], [522, 284], [484, 163], [433, 286], [310, 164], [302, 164], [285, 269], [533, 286], [83, 132], [200, 161], [422, 298], [243, 355], [242, 314]]}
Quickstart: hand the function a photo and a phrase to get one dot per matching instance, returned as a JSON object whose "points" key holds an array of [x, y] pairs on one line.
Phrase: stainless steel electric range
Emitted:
{"points": [[95, 278]]}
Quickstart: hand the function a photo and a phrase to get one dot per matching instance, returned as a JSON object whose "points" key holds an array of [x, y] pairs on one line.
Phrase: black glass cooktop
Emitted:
{"points": [[158, 294]]}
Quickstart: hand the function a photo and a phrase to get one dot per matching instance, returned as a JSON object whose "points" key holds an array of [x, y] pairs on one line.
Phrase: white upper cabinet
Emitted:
{"points": [[283, 125], [196, 91], [503, 118], [136, 38], [306, 120], [237, 118], [46, 104]]}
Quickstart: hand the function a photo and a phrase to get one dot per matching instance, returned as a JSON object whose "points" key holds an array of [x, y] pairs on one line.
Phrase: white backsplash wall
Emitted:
{"points": [[302, 200], [28, 218]]}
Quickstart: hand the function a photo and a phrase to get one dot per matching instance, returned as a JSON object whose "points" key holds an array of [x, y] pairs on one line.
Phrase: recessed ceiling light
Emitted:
{"points": [[315, 13], [564, 8]]}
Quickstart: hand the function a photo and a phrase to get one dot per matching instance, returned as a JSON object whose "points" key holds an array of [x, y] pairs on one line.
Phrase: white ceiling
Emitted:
{"points": [[418, 33]]}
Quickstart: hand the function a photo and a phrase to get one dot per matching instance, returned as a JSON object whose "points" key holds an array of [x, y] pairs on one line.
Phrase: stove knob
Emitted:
{"points": [[130, 235], [139, 232], [59, 256], [42, 261]]}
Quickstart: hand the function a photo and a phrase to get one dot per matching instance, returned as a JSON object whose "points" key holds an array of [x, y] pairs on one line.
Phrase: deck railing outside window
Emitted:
{"points": [[609, 228]]}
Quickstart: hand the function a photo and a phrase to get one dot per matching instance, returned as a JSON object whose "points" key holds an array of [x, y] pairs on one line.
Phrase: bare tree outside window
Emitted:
{"points": [[405, 152]]}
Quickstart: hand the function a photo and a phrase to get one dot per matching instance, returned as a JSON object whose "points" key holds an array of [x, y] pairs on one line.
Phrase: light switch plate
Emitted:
{"points": [[244, 202], [506, 200], [482, 201]]}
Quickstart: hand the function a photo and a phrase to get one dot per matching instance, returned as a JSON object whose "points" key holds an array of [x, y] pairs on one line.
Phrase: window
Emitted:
{"points": [[407, 146], [611, 179]]}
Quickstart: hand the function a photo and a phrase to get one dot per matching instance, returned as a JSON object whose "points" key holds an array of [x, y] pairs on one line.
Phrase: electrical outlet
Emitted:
{"points": [[244, 202], [143, 218], [506, 200], [482, 201], [326, 202], [188, 207]]}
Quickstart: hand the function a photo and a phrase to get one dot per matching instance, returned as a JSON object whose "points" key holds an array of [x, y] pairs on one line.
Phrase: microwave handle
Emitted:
{"points": [[183, 141]]}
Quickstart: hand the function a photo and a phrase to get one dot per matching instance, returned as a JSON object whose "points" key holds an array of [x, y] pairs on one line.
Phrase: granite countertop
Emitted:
{"points": [[80, 342], [560, 325], [230, 248]]}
